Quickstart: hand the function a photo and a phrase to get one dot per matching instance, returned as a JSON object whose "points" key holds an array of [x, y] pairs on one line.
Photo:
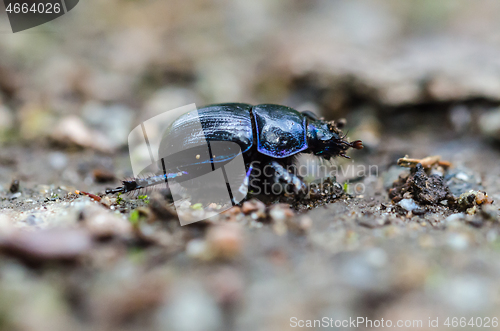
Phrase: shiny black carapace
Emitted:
{"points": [[267, 135]]}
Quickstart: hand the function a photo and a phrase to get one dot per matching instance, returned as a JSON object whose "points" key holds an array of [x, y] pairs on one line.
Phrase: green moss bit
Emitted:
{"points": [[197, 206], [135, 217], [119, 199], [143, 197]]}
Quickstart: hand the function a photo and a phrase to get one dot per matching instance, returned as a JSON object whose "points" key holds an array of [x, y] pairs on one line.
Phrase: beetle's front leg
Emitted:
{"points": [[246, 181], [283, 176]]}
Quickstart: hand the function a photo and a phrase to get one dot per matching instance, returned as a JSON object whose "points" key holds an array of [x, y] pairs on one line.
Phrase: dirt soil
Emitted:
{"points": [[256, 266]]}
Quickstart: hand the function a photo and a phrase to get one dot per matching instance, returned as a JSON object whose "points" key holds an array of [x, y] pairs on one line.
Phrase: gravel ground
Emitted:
{"points": [[359, 256]]}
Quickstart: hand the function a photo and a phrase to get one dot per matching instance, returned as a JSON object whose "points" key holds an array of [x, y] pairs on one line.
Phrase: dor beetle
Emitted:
{"points": [[268, 135]]}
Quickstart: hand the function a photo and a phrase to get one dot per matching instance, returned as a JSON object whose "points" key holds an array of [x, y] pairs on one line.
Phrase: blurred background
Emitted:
{"points": [[417, 77], [88, 77], [124, 60]]}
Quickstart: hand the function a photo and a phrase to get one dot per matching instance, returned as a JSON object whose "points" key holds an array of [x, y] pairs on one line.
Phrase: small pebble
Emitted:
{"points": [[462, 176], [14, 186], [105, 224], [225, 241], [279, 214], [455, 217], [458, 241], [106, 201], [306, 223], [185, 204], [33, 220], [53, 244], [103, 176], [15, 196], [253, 205], [58, 160], [408, 204], [198, 249]]}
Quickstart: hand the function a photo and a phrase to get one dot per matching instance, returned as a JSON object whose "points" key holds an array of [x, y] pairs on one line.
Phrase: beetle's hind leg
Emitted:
{"points": [[287, 179]]}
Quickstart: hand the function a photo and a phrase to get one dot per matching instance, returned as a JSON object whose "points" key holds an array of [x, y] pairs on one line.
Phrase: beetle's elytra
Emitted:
{"points": [[270, 134]]}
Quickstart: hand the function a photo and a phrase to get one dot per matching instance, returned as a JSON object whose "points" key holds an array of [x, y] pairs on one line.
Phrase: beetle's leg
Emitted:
{"points": [[282, 175], [246, 181]]}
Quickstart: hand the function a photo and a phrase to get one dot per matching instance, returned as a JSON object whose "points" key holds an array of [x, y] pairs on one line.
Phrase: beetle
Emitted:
{"points": [[266, 135]]}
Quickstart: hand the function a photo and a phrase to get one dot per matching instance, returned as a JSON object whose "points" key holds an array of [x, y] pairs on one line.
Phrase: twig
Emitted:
{"points": [[427, 162]]}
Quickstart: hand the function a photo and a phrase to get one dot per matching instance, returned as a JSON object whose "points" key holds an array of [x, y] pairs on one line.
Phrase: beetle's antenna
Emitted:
{"points": [[116, 190], [139, 183], [357, 144]]}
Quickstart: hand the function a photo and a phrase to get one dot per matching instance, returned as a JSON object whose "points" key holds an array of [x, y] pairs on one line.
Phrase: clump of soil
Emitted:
{"points": [[321, 192], [420, 188], [423, 188], [469, 201]]}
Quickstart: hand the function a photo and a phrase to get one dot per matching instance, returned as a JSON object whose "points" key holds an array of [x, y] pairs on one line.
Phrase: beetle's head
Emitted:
{"points": [[327, 140]]}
